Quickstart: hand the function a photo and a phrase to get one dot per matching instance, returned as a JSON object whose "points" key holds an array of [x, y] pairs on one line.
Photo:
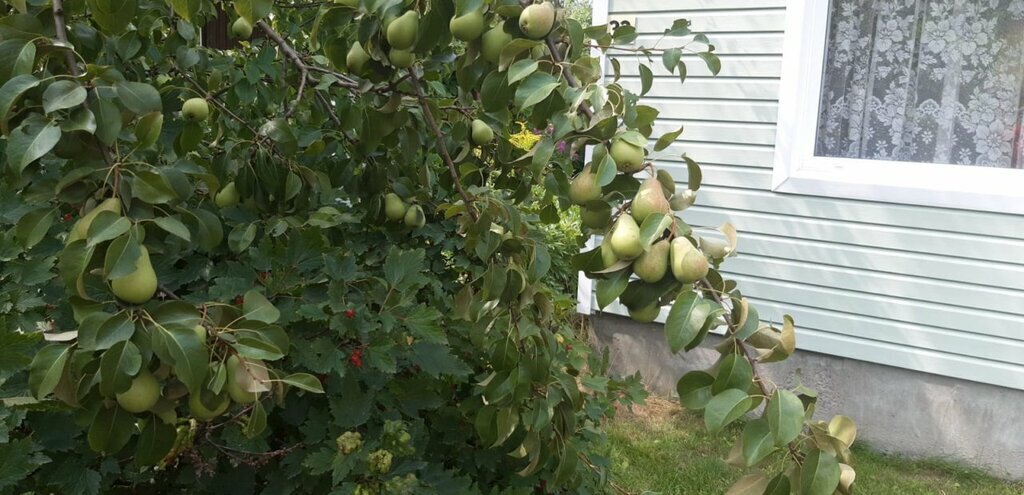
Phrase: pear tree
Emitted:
{"points": [[309, 259]]}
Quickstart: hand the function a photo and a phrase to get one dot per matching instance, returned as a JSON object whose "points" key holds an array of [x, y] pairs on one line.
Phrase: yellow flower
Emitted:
{"points": [[525, 139]]}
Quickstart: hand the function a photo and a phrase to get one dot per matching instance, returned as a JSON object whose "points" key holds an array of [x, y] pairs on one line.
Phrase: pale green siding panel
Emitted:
{"points": [[930, 289]]}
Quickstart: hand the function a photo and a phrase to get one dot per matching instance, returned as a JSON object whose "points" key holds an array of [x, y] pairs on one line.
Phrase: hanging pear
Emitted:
{"points": [[584, 188], [468, 26], [652, 266], [241, 383], [227, 196], [629, 158], [414, 217], [402, 32], [356, 59], [139, 286], [625, 238], [608, 257], [688, 263], [141, 395], [494, 41], [649, 199], [646, 314], [81, 228], [394, 207], [537, 20]]}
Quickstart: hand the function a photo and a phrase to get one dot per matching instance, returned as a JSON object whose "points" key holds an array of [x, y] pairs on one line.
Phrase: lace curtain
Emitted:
{"points": [[935, 81]]}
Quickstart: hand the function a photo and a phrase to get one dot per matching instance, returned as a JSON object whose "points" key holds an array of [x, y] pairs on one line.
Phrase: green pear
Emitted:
{"points": [[195, 110], [81, 228], [241, 29], [608, 257], [652, 265], [536, 20], [240, 380], [649, 199], [394, 207], [139, 286], [200, 332], [205, 405], [646, 314], [688, 263], [628, 157], [584, 188], [494, 41], [595, 218], [626, 238], [141, 395], [227, 196], [356, 59], [715, 248], [402, 59], [414, 217], [402, 31], [482, 133], [468, 26]]}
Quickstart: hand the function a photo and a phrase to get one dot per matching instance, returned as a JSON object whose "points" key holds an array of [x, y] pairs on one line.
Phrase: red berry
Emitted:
{"points": [[66, 217], [239, 300], [350, 314], [356, 358]]}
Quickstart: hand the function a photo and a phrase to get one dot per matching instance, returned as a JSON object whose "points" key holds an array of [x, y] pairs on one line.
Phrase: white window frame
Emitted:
{"points": [[798, 171]]}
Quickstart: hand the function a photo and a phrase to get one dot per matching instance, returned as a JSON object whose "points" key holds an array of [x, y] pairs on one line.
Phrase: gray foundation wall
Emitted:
{"points": [[896, 410]]}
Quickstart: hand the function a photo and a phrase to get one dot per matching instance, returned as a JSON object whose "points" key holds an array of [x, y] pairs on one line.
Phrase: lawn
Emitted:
{"points": [[663, 448]]}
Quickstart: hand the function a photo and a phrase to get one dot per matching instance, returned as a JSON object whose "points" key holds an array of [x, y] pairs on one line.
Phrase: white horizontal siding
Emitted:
{"points": [[931, 289]]}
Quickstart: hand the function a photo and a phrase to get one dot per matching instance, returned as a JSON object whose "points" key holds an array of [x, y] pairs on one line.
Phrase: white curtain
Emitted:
{"points": [[935, 81]]}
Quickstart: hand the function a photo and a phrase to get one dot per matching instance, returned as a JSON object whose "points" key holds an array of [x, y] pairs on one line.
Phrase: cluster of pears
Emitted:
{"points": [[243, 385], [401, 32], [136, 287], [397, 210]]}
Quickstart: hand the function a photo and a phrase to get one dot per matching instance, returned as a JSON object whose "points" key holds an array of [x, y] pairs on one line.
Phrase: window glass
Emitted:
{"points": [[934, 81]]}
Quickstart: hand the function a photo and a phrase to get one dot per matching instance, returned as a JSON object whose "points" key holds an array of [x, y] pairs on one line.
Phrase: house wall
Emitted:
{"points": [[928, 289]]}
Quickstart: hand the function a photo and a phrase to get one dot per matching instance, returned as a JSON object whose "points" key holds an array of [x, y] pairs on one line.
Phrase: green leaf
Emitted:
{"points": [[106, 226], [111, 429], [253, 10], [155, 442], [46, 369], [779, 485], [33, 226], [241, 237], [256, 423], [147, 131], [758, 442], [819, 474], [695, 175], [186, 8], [609, 289], [113, 16], [653, 227], [667, 139], [257, 307], [521, 69], [117, 367], [402, 268], [63, 94], [153, 188], [685, 319], [670, 58], [305, 381], [734, 372], [751, 484], [139, 98], [646, 79], [181, 347], [694, 389], [9, 94], [173, 226], [17, 57], [785, 415], [725, 408], [713, 62], [29, 142], [535, 89], [108, 120], [117, 328], [81, 119], [122, 253], [844, 429], [606, 170]]}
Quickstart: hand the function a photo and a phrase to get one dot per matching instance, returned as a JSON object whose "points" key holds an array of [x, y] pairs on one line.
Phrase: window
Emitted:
{"points": [[906, 101]]}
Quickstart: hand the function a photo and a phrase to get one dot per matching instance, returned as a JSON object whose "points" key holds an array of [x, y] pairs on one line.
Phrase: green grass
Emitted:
{"points": [[662, 448]]}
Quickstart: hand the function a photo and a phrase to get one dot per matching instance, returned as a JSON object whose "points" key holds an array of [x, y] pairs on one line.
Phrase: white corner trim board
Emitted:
{"points": [[798, 171]]}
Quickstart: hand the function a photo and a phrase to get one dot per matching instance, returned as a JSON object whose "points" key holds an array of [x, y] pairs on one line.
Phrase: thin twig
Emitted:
{"points": [[428, 116], [296, 60], [168, 292]]}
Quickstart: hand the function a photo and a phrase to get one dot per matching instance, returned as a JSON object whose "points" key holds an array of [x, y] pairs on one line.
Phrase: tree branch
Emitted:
{"points": [[296, 60], [62, 35], [442, 147]]}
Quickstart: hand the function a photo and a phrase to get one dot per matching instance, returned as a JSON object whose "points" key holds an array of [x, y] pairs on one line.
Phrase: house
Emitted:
{"points": [[871, 155]]}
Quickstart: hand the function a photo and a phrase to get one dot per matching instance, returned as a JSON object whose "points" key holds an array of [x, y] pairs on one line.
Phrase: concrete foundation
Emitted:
{"points": [[896, 410]]}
